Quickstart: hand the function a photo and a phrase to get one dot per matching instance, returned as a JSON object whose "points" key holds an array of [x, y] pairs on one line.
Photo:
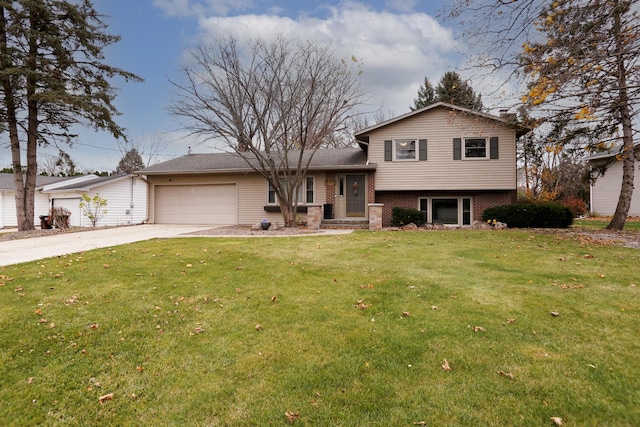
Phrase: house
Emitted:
{"points": [[126, 197], [8, 216], [606, 171], [448, 161]]}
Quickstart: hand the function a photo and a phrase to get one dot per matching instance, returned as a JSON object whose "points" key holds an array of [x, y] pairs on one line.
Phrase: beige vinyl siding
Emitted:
{"points": [[251, 193], [440, 171], [606, 191]]}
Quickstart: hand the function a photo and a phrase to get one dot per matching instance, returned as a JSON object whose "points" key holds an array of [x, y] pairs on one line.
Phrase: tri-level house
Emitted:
{"points": [[448, 161]]}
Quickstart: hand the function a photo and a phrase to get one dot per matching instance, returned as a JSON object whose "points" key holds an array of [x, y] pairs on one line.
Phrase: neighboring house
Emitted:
{"points": [[606, 172], [126, 197], [8, 216], [448, 161]]}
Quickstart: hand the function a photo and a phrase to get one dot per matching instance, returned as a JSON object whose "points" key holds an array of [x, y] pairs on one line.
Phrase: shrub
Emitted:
{"points": [[59, 217], [403, 216], [531, 215], [578, 206]]}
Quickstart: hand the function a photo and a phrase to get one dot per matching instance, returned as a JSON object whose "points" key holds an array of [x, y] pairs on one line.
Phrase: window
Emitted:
{"points": [[305, 193], [447, 210], [475, 148], [405, 149]]}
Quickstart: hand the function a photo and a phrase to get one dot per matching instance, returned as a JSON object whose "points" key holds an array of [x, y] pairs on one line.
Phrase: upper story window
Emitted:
{"points": [[305, 192], [405, 149], [475, 148]]}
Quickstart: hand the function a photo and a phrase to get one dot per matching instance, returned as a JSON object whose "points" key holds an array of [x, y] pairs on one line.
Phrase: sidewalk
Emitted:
{"points": [[24, 250]]}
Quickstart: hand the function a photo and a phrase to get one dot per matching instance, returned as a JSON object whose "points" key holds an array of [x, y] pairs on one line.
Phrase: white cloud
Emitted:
{"points": [[397, 50]]}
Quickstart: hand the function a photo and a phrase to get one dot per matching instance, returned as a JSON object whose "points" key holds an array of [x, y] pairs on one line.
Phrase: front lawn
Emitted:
{"points": [[632, 223], [337, 330]]}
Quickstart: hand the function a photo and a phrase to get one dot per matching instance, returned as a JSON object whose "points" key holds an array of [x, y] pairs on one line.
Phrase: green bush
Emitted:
{"points": [[531, 215], [403, 216]]}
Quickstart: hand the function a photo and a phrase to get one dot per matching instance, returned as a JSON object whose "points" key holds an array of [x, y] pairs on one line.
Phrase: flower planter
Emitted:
{"points": [[265, 225]]}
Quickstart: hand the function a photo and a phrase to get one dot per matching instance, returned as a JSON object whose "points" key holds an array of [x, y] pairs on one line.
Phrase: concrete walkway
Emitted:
{"points": [[24, 250]]}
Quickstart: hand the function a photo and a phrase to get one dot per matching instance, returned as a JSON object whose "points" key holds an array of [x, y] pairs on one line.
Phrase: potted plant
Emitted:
{"points": [[265, 224]]}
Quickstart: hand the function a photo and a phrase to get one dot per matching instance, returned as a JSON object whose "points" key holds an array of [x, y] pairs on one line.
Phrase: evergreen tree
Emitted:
{"points": [[130, 162], [52, 77], [426, 96], [453, 90]]}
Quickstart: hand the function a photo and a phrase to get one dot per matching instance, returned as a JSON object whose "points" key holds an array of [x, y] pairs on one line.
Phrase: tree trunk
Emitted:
{"points": [[628, 152], [288, 214]]}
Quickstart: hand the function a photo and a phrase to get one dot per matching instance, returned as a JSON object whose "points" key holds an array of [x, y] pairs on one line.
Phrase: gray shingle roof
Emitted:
{"points": [[6, 181], [86, 185], [323, 159]]}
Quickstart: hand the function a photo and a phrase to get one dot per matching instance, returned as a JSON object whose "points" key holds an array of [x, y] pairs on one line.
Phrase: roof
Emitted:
{"points": [[507, 121], [613, 151], [323, 159], [6, 181], [86, 184]]}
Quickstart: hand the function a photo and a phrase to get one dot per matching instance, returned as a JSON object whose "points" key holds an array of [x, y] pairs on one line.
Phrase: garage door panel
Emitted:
{"points": [[196, 204]]}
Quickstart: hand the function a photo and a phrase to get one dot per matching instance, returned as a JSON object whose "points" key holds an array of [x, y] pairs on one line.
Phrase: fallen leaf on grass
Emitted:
{"points": [[291, 416], [361, 305], [106, 397], [479, 329], [139, 368], [406, 314], [555, 313], [106, 265], [197, 331], [445, 365], [557, 420], [30, 380], [506, 374], [274, 298], [420, 423], [258, 327], [94, 326], [434, 307], [509, 321]]}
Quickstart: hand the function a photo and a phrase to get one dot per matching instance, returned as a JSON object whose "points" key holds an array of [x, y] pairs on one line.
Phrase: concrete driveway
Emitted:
{"points": [[24, 250]]}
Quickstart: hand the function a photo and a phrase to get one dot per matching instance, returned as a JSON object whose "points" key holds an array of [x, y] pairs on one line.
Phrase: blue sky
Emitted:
{"points": [[399, 42]]}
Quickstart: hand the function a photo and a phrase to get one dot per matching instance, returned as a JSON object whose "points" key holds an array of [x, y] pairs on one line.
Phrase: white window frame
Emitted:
{"points": [[487, 148], [302, 192], [416, 149], [461, 210]]}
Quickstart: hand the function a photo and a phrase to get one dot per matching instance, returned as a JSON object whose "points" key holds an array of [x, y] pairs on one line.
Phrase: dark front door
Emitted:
{"points": [[355, 195]]}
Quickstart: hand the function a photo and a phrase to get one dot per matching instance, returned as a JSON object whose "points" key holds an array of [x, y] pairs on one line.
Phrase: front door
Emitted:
{"points": [[355, 195]]}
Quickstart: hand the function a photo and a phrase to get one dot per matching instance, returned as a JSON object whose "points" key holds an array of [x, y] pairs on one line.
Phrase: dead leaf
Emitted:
{"points": [[30, 380], [94, 326], [106, 397], [420, 423], [361, 305], [434, 307], [406, 314], [555, 313], [274, 298], [106, 265], [511, 320], [445, 365], [139, 368], [557, 420], [258, 327], [19, 289], [506, 374], [291, 416], [198, 330], [479, 329]]}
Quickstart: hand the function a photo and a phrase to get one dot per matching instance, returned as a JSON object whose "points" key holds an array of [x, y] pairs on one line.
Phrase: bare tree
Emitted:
{"points": [[274, 103], [581, 59]]}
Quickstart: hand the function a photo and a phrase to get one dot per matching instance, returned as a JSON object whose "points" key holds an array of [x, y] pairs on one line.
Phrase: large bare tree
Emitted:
{"points": [[52, 77], [273, 102], [580, 58]]}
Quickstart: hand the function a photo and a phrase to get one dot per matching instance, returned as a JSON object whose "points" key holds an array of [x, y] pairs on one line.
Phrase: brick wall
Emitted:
{"points": [[409, 199]]}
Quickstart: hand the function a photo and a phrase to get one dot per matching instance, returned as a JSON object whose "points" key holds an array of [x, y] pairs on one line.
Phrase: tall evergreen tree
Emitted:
{"points": [[52, 77], [451, 89], [426, 96], [130, 162]]}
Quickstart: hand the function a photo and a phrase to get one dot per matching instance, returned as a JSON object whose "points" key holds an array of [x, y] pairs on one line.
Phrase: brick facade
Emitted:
{"points": [[409, 199]]}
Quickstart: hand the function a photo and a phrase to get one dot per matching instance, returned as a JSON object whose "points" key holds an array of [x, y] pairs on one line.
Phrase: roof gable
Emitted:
{"points": [[520, 130]]}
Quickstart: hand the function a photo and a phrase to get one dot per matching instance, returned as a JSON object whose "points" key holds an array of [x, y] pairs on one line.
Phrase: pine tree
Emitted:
{"points": [[426, 96], [130, 162], [52, 77]]}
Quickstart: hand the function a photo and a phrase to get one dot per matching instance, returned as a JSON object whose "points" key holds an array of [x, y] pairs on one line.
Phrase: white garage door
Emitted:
{"points": [[196, 204], [73, 205]]}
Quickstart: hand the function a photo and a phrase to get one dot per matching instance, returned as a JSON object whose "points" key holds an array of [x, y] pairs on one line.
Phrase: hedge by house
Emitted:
{"points": [[531, 215], [403, 216]]}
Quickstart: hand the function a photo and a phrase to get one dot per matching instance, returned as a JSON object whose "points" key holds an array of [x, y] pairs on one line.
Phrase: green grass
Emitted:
{"points": [[632, 224], [125, 321]]}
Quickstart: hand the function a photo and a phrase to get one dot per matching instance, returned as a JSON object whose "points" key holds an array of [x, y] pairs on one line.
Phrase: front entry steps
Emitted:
{"points": [[345, 223]]}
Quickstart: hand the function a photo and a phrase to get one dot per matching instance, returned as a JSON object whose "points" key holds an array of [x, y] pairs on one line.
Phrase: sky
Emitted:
{"points": [[399, 42]]}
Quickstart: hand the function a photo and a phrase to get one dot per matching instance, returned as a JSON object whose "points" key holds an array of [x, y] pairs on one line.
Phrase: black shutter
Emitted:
{"points": [[423, 149], [457, 148], [387, 151], [493, 147]]}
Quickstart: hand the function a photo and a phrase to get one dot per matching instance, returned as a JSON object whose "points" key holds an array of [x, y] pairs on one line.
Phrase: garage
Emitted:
{"points": [[196, 204]]}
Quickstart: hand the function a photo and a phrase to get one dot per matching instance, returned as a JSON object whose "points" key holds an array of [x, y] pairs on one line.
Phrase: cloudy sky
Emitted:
{"points": [[400, 42]]}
